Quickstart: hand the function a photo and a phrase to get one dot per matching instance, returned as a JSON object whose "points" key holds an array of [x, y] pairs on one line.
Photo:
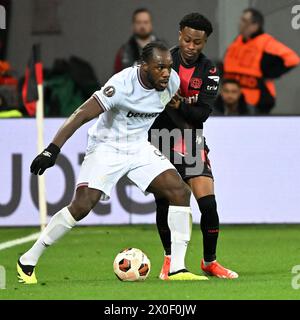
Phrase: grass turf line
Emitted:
{"points": [[79, 266]]}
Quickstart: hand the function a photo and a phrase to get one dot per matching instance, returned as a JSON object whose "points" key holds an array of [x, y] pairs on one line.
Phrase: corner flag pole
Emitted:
{"points": [[40, 132], [40, 143], [33, 99]]}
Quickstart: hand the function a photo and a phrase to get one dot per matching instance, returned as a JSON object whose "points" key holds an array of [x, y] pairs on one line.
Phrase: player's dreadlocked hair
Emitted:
{"points": [[196, 21], [147, 52]]}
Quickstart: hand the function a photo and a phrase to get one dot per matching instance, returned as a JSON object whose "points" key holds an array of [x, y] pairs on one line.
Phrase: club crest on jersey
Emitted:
{"points": [[109, 91], [164, 97], [196, 83]]}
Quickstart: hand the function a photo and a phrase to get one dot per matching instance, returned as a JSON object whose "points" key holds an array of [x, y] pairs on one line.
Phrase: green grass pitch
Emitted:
{"points": [[79, 266]]}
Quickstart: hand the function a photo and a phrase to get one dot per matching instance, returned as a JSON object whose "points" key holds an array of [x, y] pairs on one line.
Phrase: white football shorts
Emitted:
{"points": [[104, 166]]}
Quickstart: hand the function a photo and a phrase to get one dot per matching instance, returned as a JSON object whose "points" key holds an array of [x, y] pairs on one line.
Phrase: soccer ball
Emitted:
{"points": [[132, 264]]}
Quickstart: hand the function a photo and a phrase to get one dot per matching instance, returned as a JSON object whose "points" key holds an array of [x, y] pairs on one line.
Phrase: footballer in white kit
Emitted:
{"points": [[118, 142], [126, 106]]}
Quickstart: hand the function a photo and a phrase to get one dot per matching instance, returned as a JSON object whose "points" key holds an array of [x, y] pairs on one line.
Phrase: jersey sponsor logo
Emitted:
{"points": [[131, 114], [215, 78], [212, 70], [196, 83], [189, 100], [212, 88], [109, 91]]}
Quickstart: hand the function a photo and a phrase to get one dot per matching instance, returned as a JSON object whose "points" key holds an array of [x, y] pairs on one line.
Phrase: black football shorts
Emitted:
{"points": [[188, 171]]}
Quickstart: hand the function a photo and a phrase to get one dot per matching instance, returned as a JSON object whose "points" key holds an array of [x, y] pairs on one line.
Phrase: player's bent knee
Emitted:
{"points": [[179, 195]]}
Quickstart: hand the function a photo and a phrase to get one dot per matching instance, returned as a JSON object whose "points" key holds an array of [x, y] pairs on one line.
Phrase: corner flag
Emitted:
{"points": [[33, 78]]}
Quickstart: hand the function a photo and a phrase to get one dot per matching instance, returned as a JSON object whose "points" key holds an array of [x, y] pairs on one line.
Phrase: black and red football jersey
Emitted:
{"points": [[199, 83]]}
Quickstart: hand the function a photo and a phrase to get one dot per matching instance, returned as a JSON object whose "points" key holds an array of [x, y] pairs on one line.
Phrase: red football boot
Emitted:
{"points": [[217, 270], [165, 268]]}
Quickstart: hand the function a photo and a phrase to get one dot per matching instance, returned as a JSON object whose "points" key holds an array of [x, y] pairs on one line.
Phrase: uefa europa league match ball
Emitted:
{"points": [[132, 264]]}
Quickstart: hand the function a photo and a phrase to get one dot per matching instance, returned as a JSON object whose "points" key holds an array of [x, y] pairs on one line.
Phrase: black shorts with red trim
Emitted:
{"points": [[190, 160], [188, 171]]}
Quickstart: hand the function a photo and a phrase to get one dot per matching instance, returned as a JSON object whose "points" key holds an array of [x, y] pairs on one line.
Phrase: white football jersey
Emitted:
{"points": [[130, 109]]}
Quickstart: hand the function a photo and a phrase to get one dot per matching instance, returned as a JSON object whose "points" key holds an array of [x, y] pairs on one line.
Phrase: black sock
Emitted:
{"points": [[209, 226], [162, 208]]}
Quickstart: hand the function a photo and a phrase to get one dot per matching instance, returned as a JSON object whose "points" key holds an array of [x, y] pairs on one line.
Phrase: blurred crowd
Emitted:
{"points": [[250, 64], [248, 69]]}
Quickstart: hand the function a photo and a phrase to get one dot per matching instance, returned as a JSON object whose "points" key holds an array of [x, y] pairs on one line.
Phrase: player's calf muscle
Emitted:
{"points": [[79, 210], [84, 201]]}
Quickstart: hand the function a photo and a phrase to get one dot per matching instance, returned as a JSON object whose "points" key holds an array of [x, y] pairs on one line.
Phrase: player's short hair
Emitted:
{"points": [[140, 10], [196, 21], [231, 81], [257, 17], [147, 53]]}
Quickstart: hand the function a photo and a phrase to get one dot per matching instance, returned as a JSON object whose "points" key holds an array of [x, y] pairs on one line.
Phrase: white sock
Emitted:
{"points": [[179, 220], [59, 224]]}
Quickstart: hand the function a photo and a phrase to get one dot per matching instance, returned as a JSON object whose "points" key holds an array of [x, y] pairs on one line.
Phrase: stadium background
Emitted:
{"points": [[267, 166], [89, 31]]}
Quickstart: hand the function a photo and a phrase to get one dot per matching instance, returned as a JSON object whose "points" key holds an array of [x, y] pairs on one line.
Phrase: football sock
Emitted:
{"points": [[209, 226], [179, 220], [208, 263], [162, 208], [60, 224]]}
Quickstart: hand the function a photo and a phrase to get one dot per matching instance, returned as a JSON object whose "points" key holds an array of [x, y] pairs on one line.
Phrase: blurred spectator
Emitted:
{"points": [[8, 91], [142, 29], [231, 100], [67, 85], [255, 58]]}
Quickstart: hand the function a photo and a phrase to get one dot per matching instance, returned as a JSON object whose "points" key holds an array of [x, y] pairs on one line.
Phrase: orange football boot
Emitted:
{"points": [[165, 268], [216, 270]]}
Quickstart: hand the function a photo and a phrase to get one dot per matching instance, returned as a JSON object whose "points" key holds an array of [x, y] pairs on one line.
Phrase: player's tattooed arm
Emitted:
{"points": [[86, 112]]}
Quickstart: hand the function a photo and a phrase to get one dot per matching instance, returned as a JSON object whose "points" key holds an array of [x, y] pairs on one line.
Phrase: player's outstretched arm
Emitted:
{"points": [[86, 112]]}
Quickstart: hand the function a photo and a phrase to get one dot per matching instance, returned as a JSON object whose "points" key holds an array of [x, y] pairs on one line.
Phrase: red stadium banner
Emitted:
{"points": [[33, 77]]}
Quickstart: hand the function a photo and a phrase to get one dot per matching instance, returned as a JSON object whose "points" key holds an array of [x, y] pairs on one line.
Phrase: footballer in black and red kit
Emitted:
{"points": [[187, 112]]}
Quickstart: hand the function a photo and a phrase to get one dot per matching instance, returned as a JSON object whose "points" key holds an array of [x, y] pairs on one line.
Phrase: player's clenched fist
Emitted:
{"points": [[45, 160]]}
